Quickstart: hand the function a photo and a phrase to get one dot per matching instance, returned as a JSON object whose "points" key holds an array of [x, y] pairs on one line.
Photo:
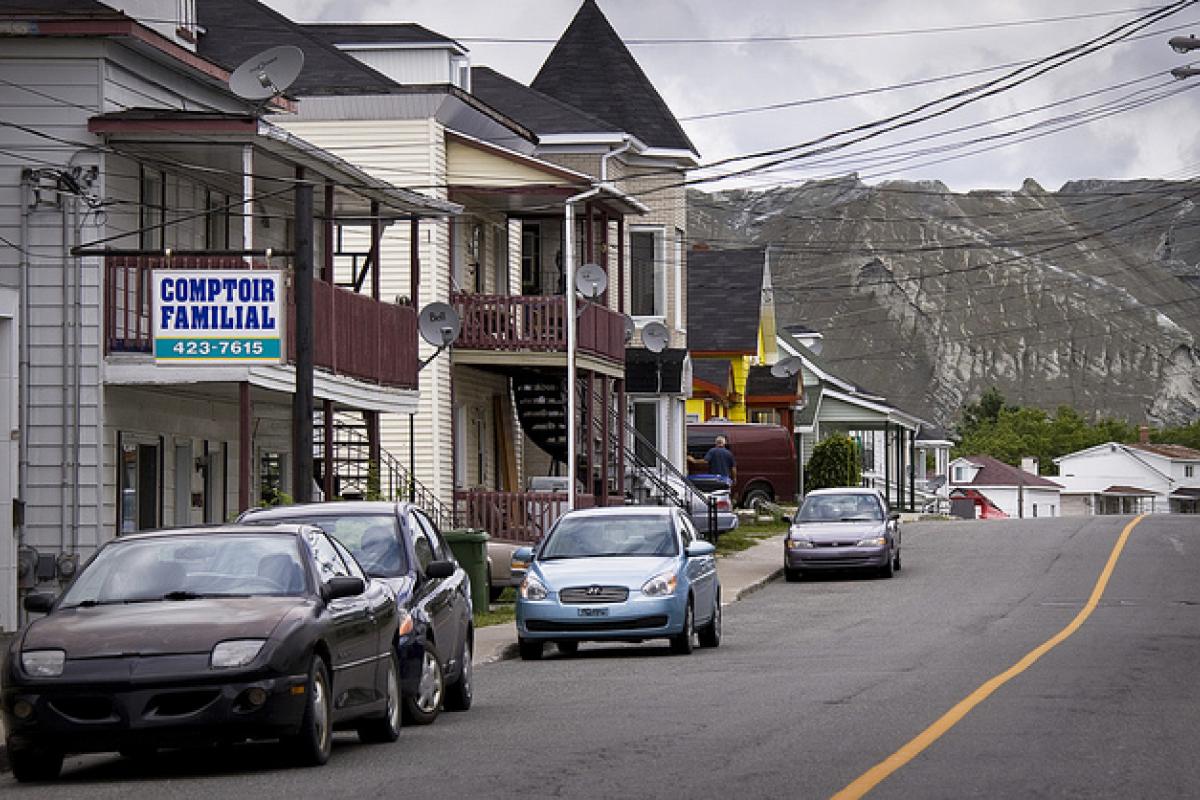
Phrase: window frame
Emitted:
{"points": [[659, 278]]}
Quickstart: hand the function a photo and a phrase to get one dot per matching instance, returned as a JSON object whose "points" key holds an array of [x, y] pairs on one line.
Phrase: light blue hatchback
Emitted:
{"points": [[619, 574]]}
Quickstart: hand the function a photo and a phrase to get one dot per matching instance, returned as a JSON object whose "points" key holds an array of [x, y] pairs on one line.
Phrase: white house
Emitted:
{"points": [[995, 486], [1115, 478]]}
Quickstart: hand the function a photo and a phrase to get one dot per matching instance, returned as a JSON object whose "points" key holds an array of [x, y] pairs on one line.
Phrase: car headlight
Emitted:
{"points": [[799, 544], [660, 585], [532, 589], [44, 663], [874, 541], [406, 623], [236, 653]]}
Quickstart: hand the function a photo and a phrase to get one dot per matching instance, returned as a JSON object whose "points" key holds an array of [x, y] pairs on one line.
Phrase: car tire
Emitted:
{"points": [[460, 693], [33, 764], [710, 634], [530, 649], [755, 495], [422, 707], [312, 746], [792, 575], [567, 648], [888, 569], [385, 729], [896, 562], [681, 643]]}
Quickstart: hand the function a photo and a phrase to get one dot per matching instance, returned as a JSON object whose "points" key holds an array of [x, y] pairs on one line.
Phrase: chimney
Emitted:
{"points": [[1029, 464], [1143, 434]]}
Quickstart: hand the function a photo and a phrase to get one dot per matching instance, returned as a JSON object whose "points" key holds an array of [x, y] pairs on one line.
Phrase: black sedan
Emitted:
{"points": [[399, 544], [197, 636]]}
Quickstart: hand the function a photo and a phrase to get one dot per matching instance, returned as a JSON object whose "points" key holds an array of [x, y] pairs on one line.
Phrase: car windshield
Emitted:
{"points": [[184, 567], [840, 508], [373, 540], [600, 536]]}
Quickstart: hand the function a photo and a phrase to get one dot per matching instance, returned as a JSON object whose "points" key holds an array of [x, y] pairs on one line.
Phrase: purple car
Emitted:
{"points": [[842, 529]]}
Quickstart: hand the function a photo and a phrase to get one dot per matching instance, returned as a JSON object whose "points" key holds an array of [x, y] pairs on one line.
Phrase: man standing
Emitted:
{"points": [[720, 460]]}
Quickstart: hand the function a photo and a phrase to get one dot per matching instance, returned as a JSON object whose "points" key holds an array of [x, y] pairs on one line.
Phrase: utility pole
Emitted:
{"points": [[302, 400]]}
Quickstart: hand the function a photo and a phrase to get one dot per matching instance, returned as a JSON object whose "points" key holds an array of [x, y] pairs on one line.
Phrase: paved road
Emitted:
{"points": [[814, 684]]}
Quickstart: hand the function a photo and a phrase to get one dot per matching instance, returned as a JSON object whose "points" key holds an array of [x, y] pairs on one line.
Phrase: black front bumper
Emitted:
{"points": [[96, 718]]}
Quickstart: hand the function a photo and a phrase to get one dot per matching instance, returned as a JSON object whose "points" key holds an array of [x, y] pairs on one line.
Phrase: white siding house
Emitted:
{"points": [[1116, 478], [992, 484]]}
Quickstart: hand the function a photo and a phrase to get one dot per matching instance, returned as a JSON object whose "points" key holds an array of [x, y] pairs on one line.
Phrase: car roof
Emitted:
{"points": [[622, 511], [845, 490], [292, 529], [338, 509]]}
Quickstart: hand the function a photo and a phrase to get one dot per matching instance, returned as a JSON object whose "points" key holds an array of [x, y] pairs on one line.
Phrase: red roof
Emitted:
{"points": [[993, 472], [1169, 451]]}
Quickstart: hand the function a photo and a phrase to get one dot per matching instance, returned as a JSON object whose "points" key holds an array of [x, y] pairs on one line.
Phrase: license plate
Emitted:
{"points": [[592, 612]]}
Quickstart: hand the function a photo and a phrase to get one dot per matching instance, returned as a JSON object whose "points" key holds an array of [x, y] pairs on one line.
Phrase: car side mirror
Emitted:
{"points": [[698, 549], [894, 516], [343, 586], [39, 603], [440, 569], [522, 555]]}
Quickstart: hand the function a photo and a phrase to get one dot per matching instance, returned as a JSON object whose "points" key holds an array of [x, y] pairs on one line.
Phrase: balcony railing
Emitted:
{"points": [[354, 335], [535, 324], [509, 516]]}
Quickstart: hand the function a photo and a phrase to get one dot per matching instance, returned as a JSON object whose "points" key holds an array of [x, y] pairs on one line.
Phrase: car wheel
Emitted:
{"points": [[888, 569], [896, 562], [386, 728], [792, 575], [35, 764], [755, 496], [567, 648], [681, 644], [312, 746], [460, 693], [710, 634], [422, 707], [530, 649]]}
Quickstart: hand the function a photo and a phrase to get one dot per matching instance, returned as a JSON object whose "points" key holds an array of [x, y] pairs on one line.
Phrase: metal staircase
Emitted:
{"points": [[541, 404]]}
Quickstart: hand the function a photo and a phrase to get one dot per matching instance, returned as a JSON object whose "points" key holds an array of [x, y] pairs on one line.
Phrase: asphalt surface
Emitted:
{"points": [[814, 684]]}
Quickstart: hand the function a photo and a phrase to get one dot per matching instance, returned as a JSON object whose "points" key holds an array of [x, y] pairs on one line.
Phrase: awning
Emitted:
{"points": [[655, 373]]}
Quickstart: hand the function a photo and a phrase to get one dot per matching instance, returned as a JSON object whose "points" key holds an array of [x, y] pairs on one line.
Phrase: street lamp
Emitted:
{"points": [[1184, 44]]}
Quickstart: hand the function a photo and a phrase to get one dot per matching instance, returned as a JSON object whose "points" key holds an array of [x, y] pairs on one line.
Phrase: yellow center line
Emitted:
{"points": [[878, 773]]}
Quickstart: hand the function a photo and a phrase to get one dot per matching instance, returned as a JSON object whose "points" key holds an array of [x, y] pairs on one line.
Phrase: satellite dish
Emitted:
{"points": [[787, 367], [630, 327], [655, 336], [591, 280], [439, 324], [267, 74]]}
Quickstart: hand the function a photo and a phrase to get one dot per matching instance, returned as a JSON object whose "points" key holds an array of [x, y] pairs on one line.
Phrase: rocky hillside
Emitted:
{"points": [[1088, 296]]}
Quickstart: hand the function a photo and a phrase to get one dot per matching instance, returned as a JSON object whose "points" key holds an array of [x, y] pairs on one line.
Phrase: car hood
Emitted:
{"points": [[160, 628], [836, 531], [630, 572]]}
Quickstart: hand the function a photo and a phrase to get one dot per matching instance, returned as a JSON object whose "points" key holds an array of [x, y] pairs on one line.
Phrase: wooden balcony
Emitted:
{"points": [[537, 324], [523, 517], [355, 335]]}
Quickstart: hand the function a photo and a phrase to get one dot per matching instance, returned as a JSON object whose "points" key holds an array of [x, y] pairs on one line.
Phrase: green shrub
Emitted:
{"points": [[835, 462]]}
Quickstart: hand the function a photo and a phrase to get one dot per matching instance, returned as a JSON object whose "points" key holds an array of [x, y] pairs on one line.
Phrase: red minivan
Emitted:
{"points": [[765, 454]]}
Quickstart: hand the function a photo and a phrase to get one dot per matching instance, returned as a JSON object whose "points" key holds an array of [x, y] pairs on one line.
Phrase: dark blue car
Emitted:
{"points": [[397, 542]]}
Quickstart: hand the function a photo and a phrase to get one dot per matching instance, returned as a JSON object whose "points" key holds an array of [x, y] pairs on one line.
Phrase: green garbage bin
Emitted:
{"points": [[470, 549]]}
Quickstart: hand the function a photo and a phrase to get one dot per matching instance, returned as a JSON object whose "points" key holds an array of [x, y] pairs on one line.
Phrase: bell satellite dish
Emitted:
{"points": [[630, 327], [655, 336], [786, 368], [267, 74], [439, 324], [591, 280]]}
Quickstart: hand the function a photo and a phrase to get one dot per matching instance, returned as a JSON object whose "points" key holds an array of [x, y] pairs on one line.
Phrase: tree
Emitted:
{"points": [[984, 412], [834, 462]]}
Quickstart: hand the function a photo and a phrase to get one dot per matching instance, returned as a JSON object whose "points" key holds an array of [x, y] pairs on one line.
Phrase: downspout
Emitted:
{"points": [[572, 333], [23, 370], [77, 444], [624, 148], [65, 399]]}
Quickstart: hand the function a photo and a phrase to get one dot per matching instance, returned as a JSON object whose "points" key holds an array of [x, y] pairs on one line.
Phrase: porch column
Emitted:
{"points": [[414, 270], [620, 387], [376, 248], [621, 266], [302, 400], [604, 259], [887, 463], [589, 435], [327, 250], [606, 448], [245, 445], [371, 418], [328, 475], [912, 472]]}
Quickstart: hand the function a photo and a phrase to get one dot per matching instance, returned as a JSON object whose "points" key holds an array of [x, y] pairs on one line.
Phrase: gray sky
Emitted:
{"points": [[1156, 140]]}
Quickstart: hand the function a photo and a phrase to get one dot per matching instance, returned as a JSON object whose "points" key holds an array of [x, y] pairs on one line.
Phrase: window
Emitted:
{"points": [[139, 489], [1035, 509], [152, 204], [1189, 470], [270, 479], [687, 531], [960, 474], [216, 228], [647, 274], [769, 416], [531, 260], [500, 256], [425, 543], [328, 560]]}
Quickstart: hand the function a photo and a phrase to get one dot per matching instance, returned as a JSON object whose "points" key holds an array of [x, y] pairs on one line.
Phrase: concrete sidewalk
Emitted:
{"points": [[741, 574]]}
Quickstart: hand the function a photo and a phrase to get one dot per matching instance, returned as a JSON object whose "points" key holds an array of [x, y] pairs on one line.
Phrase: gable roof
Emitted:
{"points": [[538, 112], [713, 374], [1175, 452], [760, 382], [591, 68], [724, 289], [993, 472], [327, 70], [47, 8], [409, 33]]}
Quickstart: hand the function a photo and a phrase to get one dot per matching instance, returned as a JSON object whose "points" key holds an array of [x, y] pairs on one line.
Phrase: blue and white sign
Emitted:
{"points": [[223, 316]]}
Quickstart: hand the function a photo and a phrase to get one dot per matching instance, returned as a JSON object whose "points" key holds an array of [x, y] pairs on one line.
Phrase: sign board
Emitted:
{"points": [[222, 316]]}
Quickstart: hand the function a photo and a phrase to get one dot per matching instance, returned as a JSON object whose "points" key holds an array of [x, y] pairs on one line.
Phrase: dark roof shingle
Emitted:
{"points": [[592, 69], [993, 472], [378, 33], [724, 289], [538, 112]]}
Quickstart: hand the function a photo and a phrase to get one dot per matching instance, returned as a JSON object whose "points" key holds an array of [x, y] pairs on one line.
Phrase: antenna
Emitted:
{"points": [[440, 325], [267, 74], [591, 281], [787, 367], [655, 336]]}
